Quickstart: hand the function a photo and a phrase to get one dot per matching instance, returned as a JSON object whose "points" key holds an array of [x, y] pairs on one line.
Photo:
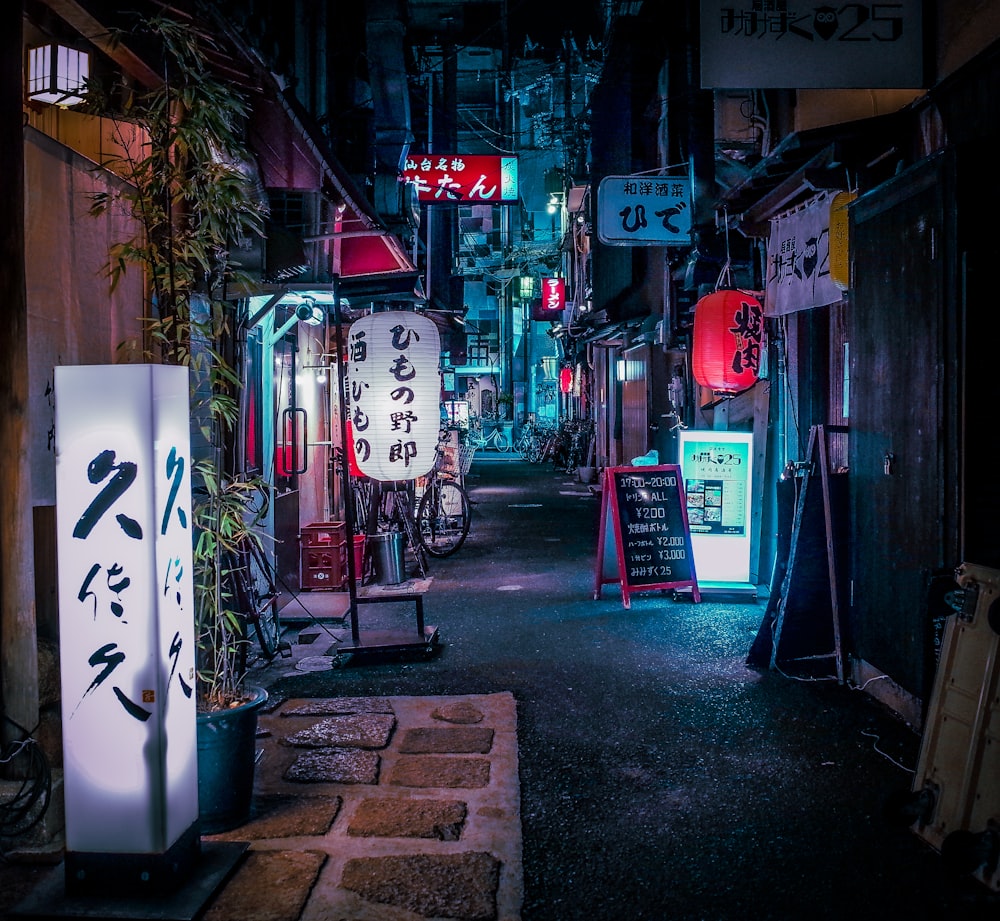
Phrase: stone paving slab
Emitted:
{"points": [[432, 885], [282, 881], [446, 847], [335, 765], [356, 730], [478, 739], [330, 706], [285, 816], [408, 818], [428, 771]]}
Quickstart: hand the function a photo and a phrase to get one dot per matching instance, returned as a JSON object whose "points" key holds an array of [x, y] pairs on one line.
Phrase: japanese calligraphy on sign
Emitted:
{"points": [[394, 394], [718, 486], [126, 602], [784, 44], [798, 260], [644, 211], [552, 302], [450, 178]]}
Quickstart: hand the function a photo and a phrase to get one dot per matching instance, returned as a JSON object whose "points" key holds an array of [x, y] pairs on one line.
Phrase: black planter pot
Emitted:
{"points": [[227, 753]]}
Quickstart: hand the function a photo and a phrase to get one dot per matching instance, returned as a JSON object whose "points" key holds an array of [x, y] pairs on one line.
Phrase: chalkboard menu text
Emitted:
{"points": [[645, 540]]}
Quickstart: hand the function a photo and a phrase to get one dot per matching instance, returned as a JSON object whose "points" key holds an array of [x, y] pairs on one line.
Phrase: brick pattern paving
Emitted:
{"points": [[368, 809]]}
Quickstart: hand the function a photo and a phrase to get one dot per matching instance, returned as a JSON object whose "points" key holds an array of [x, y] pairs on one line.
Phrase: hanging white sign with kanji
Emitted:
{"points": [[394, 394]]}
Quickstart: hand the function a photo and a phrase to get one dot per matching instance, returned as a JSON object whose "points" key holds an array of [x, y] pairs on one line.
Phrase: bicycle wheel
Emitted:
{"points": [[502, 441], [443, 518], [258, 597], [400, 516]]}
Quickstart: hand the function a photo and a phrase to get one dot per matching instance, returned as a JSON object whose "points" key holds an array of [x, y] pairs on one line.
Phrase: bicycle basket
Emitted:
{"points": [[465, 455]]}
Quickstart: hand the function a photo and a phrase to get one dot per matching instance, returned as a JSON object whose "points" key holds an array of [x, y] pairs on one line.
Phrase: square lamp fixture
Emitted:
{"points": [[57, 74]]}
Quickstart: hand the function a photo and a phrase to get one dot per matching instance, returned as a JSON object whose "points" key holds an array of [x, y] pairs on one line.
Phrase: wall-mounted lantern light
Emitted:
{"points": [[57, 75]]}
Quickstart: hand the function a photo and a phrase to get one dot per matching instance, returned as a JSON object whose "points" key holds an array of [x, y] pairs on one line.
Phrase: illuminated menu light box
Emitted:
{"points": [[126, 625], [718, 474]]}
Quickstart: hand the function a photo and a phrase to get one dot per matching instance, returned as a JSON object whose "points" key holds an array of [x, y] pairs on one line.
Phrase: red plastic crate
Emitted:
{"points": [[323, 533], [324, 568]]}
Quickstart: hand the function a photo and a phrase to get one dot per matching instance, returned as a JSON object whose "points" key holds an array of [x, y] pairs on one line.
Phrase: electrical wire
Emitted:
{"points": [[21, 810], [888, 757]]}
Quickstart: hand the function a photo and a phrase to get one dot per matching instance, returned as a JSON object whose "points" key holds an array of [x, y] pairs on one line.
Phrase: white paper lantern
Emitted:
{"points": [[394, 394]]}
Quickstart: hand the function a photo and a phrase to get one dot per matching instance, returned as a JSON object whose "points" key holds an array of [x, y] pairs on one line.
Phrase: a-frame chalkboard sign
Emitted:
{"points": [[644, 541]]}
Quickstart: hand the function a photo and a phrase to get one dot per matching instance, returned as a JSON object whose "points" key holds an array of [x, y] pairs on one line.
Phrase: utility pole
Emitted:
{"points": [[18, 640], [507, 296]]}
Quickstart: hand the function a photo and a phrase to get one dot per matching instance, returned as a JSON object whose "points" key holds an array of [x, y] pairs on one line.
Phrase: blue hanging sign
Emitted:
{"points": [[644, 211]]}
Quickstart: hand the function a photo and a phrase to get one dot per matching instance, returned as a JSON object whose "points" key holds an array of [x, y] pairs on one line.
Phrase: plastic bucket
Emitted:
{"points": [[387, 554]]}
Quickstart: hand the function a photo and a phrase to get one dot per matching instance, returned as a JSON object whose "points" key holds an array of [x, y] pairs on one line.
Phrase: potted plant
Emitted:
{"points": [[193, 205], [505, 404]]}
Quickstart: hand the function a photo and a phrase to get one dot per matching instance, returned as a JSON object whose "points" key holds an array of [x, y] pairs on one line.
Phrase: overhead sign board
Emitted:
{"points": [[456, 179], [798, 259], [749, 44], [644, 211]]}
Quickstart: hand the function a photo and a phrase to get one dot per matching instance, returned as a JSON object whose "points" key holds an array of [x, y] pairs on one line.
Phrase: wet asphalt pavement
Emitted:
{"points": [[661, 777]]}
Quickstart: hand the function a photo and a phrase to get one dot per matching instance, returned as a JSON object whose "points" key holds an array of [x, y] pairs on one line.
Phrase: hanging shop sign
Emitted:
{"points": [[840, 269], [453, 178], [749, 44], [798, 260], [126, 617], [644, 542], [553, 294], [394, 394], [726, 340], [718, 471], [644, 211], [551, 304]]}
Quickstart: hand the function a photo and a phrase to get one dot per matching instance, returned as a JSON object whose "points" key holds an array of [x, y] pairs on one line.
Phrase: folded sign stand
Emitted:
{"points": [[644, 541]]}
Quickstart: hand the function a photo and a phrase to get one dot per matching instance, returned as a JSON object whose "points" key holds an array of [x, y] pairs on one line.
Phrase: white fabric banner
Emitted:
{"points": [[798, 260]]}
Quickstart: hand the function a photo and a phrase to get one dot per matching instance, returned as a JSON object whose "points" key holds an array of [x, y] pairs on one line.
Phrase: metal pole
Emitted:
{"points": [[345, 468]]}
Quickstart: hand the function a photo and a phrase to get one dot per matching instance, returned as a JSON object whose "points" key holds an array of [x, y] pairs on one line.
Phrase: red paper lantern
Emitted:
{"points": [[565, 380], [726, 341]]}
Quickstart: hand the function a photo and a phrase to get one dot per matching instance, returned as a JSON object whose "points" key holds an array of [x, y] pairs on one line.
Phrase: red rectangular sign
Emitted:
{"points": [[552, 302], [453, 178], [553, 293]]}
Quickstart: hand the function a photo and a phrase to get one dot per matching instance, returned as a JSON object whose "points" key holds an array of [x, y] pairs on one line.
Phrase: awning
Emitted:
{"points": [[290, 158], [827, 158]]}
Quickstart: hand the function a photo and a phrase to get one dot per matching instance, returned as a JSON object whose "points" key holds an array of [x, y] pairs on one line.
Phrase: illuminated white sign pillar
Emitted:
{"points": [[126, 626]]}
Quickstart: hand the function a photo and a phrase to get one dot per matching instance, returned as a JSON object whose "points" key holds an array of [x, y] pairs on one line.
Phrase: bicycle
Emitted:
{"points": [[496, 438], [529, 442], [443, 513], [390, 506], [252, 584]]}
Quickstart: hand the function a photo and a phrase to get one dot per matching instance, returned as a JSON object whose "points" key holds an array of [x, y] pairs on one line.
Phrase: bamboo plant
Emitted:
{"points": [[194, 206]]}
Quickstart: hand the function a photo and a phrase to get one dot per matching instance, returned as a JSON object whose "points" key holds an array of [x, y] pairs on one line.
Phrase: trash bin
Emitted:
{"points": [[387, 554]]}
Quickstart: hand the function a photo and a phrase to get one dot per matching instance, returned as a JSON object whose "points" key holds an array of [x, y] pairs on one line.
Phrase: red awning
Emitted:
{"points": [[359, 244]]}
